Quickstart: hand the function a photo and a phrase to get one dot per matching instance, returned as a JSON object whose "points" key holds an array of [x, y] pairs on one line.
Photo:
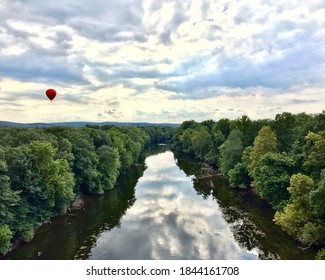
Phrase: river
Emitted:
{"points": [[161, 210]]}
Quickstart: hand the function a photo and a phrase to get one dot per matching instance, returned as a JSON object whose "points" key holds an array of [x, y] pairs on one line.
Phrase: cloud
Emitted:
{"points": [[185, 50], [176, 16], [244, 15], [303, 101], [293, 69], [41, 57], [75, 97], [51, 70]]}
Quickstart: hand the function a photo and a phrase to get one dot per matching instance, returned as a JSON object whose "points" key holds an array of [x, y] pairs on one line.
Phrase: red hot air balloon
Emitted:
{"points": [[51, 93]]}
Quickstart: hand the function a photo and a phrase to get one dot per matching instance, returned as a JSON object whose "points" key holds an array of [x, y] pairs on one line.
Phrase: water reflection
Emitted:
{"points": [[169, 221], [248, 217]]}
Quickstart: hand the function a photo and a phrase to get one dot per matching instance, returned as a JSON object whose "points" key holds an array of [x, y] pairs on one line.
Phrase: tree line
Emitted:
{"points": [[282, 159], [43, 170]]}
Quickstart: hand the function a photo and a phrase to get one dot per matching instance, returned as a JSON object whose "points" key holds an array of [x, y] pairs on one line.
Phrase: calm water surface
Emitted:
{"points": [[161, 211]]}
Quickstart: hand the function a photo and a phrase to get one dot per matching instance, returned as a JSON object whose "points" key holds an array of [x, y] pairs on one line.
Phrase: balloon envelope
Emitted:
{"points": [[51, 93]]}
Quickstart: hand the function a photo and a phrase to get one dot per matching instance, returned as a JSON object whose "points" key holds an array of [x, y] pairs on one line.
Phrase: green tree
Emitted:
{"points": [[299, 217], [321, 254], [56, 179], [201, 141], [99, 137], [217, 139], [246, 158], [303, 124], [159, 134], [135, 139], [108, 166], [85, 162], [238, 176], [297, 213], [45, 185], [8, 198], [284, 125], [123, 143], [231, 151], [264, 142], [65, 151], [208, 124], [246, 126], [59, 184], [188, 124], [315, 150], [317, 197], [224, 126], [319, 121], [186, 141], [217, 136], [5, 238], [272, 176]]}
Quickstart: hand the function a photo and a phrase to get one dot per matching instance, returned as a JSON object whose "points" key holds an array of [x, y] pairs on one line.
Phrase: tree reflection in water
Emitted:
{"points": [[249, 217]]}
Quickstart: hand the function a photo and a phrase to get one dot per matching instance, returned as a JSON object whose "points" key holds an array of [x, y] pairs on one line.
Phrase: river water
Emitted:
{"points": [[160, 210]]}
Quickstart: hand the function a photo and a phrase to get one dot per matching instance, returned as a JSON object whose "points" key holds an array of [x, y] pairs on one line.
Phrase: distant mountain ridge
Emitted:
{"points": [[83, 124]]}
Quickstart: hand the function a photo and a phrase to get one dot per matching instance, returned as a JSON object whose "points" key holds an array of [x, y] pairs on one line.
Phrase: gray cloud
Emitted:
{"points": [[244, 15], [41, 68], [75, 97], [103, 21], [296, 67], [38, 63], [303, 101], [21, 96], [113, 103], [179, 16], [112, 112]]}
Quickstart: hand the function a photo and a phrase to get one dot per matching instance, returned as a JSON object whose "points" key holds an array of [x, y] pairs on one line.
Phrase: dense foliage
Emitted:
{"points": [[43, 170], [282, 159]]}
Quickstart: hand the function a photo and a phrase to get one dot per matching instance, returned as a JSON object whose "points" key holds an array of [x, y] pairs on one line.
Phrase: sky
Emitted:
{"points": [[160, 61]]}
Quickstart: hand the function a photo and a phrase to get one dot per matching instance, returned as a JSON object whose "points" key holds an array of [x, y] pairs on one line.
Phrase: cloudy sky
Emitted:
{"points": [[160, 61]]}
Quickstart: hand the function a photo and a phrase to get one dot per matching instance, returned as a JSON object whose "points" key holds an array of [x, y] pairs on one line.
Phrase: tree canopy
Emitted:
{"points": [[43, 170]]}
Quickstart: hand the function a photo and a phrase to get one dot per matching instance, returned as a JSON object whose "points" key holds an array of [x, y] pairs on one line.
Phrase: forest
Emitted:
{"points": [[282, 160], [44, 170]]}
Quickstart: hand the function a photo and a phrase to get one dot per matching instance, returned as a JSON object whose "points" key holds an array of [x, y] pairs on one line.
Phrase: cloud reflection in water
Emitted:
{"points": [[169, 220]]}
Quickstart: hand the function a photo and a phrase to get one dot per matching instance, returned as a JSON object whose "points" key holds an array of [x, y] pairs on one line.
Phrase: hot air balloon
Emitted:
{"points": [[51, 93]]}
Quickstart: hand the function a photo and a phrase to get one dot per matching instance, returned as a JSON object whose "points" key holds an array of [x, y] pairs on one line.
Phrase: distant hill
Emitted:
{"points": [[83, 124]]}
